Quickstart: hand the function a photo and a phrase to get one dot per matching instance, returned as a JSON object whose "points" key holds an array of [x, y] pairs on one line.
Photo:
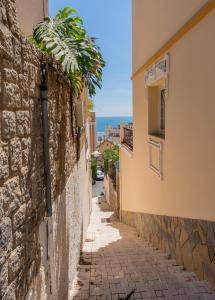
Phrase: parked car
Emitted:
{"points": [[99, 175]]}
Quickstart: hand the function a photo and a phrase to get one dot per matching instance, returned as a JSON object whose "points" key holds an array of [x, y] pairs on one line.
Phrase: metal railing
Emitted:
{"points": [[128, 137]]}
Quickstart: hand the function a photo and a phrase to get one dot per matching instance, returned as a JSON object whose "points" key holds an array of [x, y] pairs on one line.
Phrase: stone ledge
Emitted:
{"points": [[190, 241]]}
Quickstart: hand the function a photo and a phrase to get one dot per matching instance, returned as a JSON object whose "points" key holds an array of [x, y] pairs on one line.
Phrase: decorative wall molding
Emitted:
{"points": [[159, 147], [157, 71]]}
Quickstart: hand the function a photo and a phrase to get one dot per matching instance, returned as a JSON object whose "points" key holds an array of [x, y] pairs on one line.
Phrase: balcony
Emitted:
{"points": [[128, 138]]}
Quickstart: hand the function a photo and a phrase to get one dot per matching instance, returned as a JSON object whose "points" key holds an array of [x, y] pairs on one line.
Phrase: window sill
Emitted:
{"points": [[158, 135]]}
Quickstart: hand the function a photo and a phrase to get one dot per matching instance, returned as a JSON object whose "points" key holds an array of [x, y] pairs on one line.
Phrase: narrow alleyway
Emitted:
{"points": [[98, 188], [116, 264]]}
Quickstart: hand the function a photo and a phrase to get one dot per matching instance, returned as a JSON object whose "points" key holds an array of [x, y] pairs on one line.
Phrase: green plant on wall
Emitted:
{"points": [[90, 105], [64, 38], [94, 167], [110, 154]]}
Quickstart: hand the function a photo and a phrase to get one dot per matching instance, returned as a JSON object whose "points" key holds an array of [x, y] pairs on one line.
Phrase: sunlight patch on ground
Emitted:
{"points": [[105, 233]]}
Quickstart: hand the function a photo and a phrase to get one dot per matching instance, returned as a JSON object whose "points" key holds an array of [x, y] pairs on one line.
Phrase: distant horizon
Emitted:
{"points": [[120, 116], [112, 121]]}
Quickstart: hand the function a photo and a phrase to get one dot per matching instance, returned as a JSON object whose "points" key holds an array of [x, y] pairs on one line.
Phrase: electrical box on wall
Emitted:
{"points": [[80, 114]]}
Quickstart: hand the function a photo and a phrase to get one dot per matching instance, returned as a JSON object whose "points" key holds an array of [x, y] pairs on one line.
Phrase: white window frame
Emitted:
{"points": [[161, 130], [159, 146]]}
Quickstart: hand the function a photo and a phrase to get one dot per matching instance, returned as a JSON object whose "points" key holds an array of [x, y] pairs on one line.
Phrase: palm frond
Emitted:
{"points": [[64, 37]]}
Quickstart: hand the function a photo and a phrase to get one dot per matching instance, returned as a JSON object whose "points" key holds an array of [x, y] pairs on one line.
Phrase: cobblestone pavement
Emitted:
{"points": [[98, 188], [116, 264]]}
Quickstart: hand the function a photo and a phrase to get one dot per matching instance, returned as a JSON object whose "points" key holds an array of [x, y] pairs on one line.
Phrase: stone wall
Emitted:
{"points": [[65, 238], [23, 227], [191, 242], [111, 186], [111, 194]]}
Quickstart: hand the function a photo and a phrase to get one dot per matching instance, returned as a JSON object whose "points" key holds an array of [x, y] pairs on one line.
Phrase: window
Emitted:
{"points": [[162, 110], [156, 111]]}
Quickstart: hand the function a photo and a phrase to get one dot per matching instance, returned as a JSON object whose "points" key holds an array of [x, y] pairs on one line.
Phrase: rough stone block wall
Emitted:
{"points": [[112, 192], [190, 241], [22, 190], [21, 167], [68, 215]]}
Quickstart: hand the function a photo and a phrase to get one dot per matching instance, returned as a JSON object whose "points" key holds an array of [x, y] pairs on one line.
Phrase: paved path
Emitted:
{"points": [[98, 188], [116, 263]]}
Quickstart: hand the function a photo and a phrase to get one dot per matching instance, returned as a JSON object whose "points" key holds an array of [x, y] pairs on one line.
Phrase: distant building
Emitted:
{"points": [[100, 138], [106, 144], [29, 13], [113, 133], [129, 125]]}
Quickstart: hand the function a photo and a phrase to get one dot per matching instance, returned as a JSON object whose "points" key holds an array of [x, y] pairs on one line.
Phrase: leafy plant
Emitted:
{"points": [[65, 38], [90, 105], [110, 155], [94, 167]]}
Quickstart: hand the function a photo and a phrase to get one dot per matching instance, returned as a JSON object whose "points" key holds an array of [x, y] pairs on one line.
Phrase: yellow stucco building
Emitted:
{"points": [[167, 183], [29, 13]]}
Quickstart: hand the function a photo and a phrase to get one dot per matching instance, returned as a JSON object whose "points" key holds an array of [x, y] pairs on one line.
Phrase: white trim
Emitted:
{"points": [[159, 146], [160, 130], [127, 150], [158, 71]]}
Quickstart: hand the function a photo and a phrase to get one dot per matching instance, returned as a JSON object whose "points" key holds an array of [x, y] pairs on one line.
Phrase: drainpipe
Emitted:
{"points": [[48, 219], [44, 102]]}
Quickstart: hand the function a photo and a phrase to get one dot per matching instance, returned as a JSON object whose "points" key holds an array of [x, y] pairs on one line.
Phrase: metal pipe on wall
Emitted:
{"points": [[44, 103], [50, 272]]}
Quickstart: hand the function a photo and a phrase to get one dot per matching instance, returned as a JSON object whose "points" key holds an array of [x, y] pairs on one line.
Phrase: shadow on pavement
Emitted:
{"points": [[117, 264]]}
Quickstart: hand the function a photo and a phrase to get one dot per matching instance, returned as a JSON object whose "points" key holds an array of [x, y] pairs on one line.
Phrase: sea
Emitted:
{"points": [[101, 122]]}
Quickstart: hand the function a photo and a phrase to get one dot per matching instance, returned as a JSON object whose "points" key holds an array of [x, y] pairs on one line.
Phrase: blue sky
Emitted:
{"points": [[110, 22]]}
